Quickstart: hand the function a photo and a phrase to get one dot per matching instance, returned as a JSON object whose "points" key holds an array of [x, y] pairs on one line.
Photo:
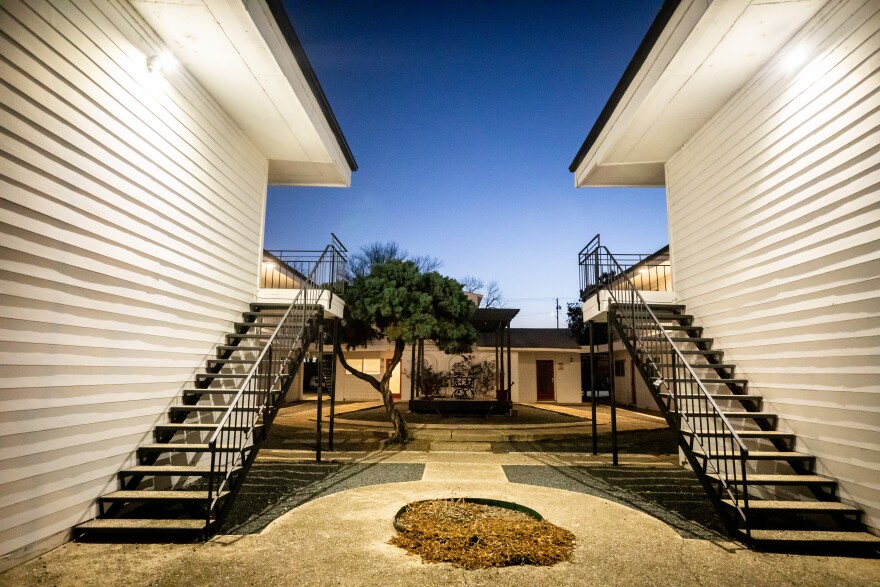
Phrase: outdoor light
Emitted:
{"points": [[159, 62], [643, 270], [795, 58], [269, 264]]}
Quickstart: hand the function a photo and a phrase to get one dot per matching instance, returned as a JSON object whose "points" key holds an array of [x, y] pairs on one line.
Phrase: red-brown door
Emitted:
{"points": [[546, 391]]}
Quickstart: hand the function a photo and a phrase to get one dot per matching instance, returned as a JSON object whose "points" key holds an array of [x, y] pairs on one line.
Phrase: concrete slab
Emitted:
{"points": [[461, 446], [342, 539], [464, 472]]}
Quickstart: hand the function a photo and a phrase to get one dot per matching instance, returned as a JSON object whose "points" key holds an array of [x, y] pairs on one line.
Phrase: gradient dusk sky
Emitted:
{"points": [[463, 118]]}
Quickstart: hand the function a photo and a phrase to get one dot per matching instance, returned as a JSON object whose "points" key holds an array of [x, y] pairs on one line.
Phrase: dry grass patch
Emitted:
{"points": [[477, 536]]}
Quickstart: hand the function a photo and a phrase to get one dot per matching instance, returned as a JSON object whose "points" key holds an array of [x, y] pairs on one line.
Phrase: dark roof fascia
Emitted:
{"points": [[279, 13], [629, 74]]}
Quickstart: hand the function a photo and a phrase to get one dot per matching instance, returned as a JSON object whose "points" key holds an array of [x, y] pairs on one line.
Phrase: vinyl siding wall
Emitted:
{"points": [[774, 214], [132, 212]]}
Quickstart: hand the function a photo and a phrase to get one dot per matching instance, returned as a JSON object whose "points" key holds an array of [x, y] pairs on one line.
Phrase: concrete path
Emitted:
{"points": [[342, 537]]}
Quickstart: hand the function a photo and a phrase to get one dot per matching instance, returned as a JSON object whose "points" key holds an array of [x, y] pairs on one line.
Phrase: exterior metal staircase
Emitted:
{"points": [[186, 479], [766, 492]]}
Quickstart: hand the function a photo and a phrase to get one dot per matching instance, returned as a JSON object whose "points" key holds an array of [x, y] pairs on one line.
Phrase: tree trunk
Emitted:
{"points": [[401, 431]]}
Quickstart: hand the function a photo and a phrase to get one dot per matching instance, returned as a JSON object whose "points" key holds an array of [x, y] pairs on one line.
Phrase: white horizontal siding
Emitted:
{"points": [[774, 211], [131, 211]]}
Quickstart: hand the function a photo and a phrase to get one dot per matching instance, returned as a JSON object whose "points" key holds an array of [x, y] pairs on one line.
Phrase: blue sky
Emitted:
{"points": [[463, 118]]}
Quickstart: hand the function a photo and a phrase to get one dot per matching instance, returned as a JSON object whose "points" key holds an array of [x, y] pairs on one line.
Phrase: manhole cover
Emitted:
{"points": [[476, 533]]}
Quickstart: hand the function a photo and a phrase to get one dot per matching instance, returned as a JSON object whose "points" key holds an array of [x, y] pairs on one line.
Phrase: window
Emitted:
{"points": [[619, 368], [369, 366]]}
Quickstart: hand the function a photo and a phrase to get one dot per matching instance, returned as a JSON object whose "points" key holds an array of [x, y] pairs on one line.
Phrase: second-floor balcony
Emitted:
{"points": [[649, 273], [322, 274]]}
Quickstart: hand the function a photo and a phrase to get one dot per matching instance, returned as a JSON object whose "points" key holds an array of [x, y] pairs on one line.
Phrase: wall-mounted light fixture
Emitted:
{"points": [[160, 62], [794, 58]]}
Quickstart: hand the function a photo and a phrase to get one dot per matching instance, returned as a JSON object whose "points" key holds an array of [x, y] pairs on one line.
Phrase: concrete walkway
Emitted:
{"points": [[342, 539], [297, 522]]}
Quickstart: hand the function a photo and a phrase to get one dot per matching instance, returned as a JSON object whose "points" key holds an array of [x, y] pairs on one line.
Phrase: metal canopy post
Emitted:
{"points": [[320, 390], [412, 372], [611, 397], [509, 368], [332, 384], [593, 398]]}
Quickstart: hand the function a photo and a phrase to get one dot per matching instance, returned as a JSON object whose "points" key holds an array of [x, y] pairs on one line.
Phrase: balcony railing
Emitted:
{"points": [[288, 269], [646, 271]]}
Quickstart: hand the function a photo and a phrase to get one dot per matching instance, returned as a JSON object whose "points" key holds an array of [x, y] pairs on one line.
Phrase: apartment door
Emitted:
{"points": [[546, 390]]}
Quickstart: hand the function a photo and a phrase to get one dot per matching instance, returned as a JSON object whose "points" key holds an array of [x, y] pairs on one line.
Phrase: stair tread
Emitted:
{"points": [[198, 408], [200, 426], [796, 505], [813, 536], [140, 495], [750, 434], [238, 347], [723, 396], [168, 470], [781, 479], [142, 524], [734, 414], [187, 447], [762, 455]]}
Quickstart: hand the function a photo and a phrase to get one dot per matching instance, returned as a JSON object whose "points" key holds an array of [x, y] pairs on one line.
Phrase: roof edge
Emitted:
{"points": [[660, 21], [282, 19]]}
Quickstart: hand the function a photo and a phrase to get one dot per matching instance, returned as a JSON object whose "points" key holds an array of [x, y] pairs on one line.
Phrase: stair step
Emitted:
{"points": [[769, 505], [750, 434], [150, 495], [251, 325], [735, 397], [761, 455], [265, 313], [129, 524], [713, 380], [654, 306], [718, 353], [215, 391], [755, 479], [231, 361], [644, 317], [197, 427], [679, 339], [247, 335], [167, 470], [727, 366], [184, 447], [238, 347], [200, 376], [751, 415], [212, 409], [814, 536]]}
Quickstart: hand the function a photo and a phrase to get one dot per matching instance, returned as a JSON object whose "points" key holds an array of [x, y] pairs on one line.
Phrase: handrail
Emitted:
{"points": [[695, 407], [255, 396]]}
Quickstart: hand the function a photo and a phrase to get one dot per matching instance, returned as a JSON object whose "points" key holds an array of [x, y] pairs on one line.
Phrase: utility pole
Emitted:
{"points": [[558, 307]]}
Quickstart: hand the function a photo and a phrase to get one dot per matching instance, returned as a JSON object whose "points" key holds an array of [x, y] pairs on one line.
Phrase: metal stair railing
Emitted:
{"points": [[692, 409], [259, 396]]}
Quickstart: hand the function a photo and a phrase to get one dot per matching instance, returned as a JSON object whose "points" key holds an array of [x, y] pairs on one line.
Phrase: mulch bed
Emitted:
{"points": [[478, 536]]}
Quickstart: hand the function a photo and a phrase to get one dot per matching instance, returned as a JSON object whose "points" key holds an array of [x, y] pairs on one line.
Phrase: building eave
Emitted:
{"points": [[696, 57], [247, 57]]}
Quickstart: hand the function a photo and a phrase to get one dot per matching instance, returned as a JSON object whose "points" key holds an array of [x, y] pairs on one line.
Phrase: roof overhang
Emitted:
{"points": [[247, 56], [696, 56]]}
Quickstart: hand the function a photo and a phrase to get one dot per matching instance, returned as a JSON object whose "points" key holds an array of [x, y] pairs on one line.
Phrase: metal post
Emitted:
{"points": [[593, 398], [333, 385], [509, 367], [412, 372], [320, 390], [611, 320]]}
